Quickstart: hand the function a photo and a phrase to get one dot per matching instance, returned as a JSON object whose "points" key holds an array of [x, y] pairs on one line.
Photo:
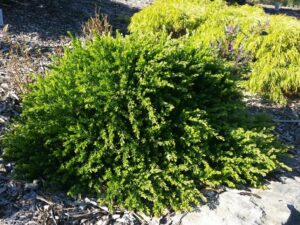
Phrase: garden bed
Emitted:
{"points": [[38, 30]]}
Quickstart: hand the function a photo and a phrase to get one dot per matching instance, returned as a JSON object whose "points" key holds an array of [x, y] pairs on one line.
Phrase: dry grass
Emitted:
{"points": [[19, 64], [98, 25], [21, 69]]}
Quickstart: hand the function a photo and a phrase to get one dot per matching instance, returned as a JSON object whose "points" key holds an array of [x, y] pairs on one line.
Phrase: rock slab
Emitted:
{"points": [[278, 205]]}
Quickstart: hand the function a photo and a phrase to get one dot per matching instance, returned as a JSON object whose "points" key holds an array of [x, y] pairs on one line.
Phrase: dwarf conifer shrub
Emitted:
{"points": [[276, 64], [143, 122], [177, 17], [270, 44]]}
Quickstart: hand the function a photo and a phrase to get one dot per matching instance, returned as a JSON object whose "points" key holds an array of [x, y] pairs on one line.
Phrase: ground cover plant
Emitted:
{"points": [[267, 45], [144, 122]]}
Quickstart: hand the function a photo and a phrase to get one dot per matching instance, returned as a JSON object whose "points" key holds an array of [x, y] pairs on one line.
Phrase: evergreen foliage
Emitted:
{"points": [[270, 42], [143, 122]]}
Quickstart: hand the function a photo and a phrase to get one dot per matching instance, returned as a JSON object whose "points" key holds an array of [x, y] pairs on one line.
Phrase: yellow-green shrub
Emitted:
{"points": [[172, 16], [272, 42], [276, 65]]}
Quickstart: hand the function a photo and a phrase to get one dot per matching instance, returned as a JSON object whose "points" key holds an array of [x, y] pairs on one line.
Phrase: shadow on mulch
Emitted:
{"points": [[54, 18], [285, 11]]}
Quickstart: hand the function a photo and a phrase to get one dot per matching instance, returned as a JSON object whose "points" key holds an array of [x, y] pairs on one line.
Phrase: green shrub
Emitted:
{"points": [[178, 17], [143, 122], [271, 41], [276, 68]]}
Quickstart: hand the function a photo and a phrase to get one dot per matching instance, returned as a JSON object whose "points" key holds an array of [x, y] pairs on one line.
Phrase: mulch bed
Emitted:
{"points": [[288, 11]]}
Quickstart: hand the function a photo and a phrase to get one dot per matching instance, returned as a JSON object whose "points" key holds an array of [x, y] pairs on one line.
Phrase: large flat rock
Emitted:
{"points": [[279, 204]]}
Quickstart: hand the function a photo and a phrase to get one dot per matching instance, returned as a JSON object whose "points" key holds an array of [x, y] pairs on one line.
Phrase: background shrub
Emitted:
{"points": [[143, 122], [174, 16], [272, 42]]}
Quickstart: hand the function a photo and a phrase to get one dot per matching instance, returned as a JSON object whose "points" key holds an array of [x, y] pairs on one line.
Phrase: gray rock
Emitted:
{"points": [[271, 208]]}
